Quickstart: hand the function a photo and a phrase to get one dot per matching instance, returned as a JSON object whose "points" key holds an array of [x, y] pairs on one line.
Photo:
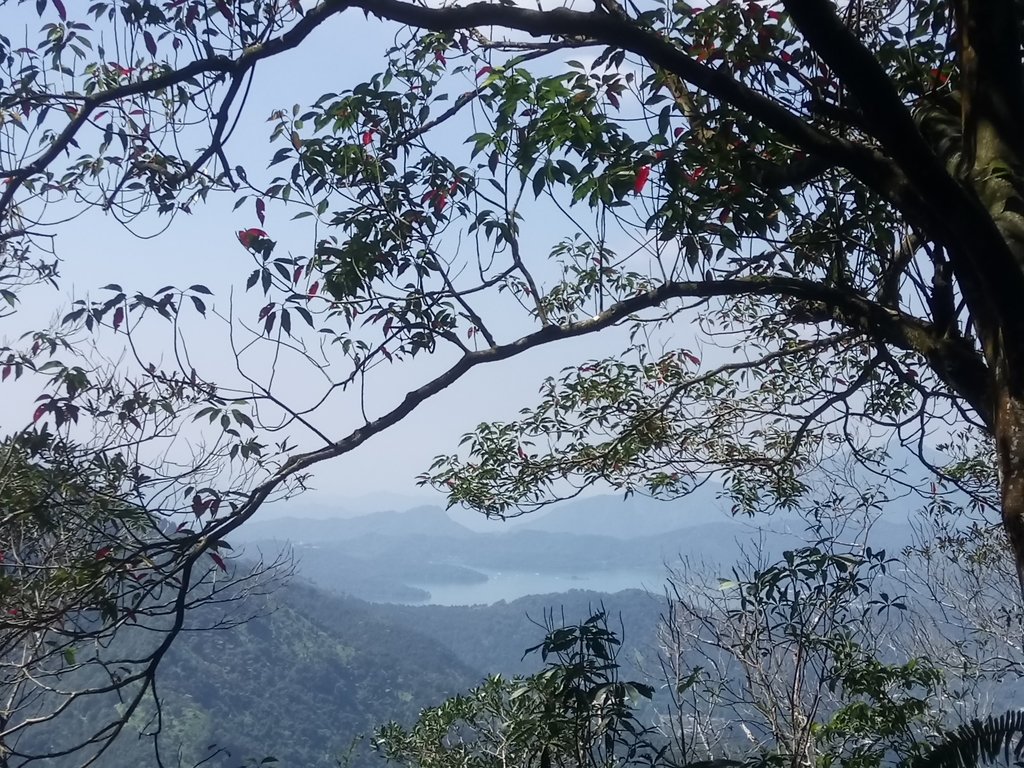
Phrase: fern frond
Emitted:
{"points": [[978, 742]]}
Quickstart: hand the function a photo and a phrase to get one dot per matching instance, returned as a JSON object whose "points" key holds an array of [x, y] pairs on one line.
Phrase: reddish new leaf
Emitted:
{"points": [[692, 358], [314, 288], [641, 179], [219, 561], [39, 413], [150, 43], [249, 236], [225, 11], [118, 317], [261, 211], [61, 11]]}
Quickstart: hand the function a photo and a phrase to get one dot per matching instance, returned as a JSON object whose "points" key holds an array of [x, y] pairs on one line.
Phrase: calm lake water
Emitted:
{"points": [[510, 585]]}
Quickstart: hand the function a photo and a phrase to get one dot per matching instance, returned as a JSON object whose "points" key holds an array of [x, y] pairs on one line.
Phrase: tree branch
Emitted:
{"points": [[216, 65], [868, 165], [967, 227]]}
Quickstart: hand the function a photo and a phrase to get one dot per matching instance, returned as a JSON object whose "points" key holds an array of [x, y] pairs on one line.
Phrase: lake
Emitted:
{"points": [[510, 585]]}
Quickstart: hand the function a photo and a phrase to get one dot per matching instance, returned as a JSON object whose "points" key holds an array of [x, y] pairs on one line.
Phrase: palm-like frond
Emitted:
{"points": [[979, 742]]}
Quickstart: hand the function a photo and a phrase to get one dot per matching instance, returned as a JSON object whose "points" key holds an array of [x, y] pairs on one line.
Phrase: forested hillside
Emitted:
{"points": [[299, 683], [317, 671]]}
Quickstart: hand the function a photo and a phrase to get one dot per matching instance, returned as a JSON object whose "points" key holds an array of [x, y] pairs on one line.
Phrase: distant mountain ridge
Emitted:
{"points": [[419, 521], [631, 518], [401, 556]]}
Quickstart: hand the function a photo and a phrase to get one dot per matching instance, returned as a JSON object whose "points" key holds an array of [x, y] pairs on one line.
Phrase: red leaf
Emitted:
{"points": [[613, 99], [314, 288], [367, 137], [6, 373], [483, 71], [118, 317], [248, 236], [692, 358], [297, 274], [225, 11], [641, 179], [266, 310], [261, 211], [39, 413], [440, 57], [150, 43], [219, 561], [103, 553], [61, 11]]}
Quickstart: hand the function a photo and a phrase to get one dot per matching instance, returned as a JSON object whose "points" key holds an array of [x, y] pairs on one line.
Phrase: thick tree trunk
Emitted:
{"points": [[988, 34], [1010, 452]]}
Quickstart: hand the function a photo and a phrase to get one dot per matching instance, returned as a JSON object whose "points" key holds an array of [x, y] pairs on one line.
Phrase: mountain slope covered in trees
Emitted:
{"points": [[300, 682], [315, 672]]}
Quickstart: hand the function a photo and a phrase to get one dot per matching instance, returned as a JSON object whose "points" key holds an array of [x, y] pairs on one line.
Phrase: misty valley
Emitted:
{"points": [[391, 612]]}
